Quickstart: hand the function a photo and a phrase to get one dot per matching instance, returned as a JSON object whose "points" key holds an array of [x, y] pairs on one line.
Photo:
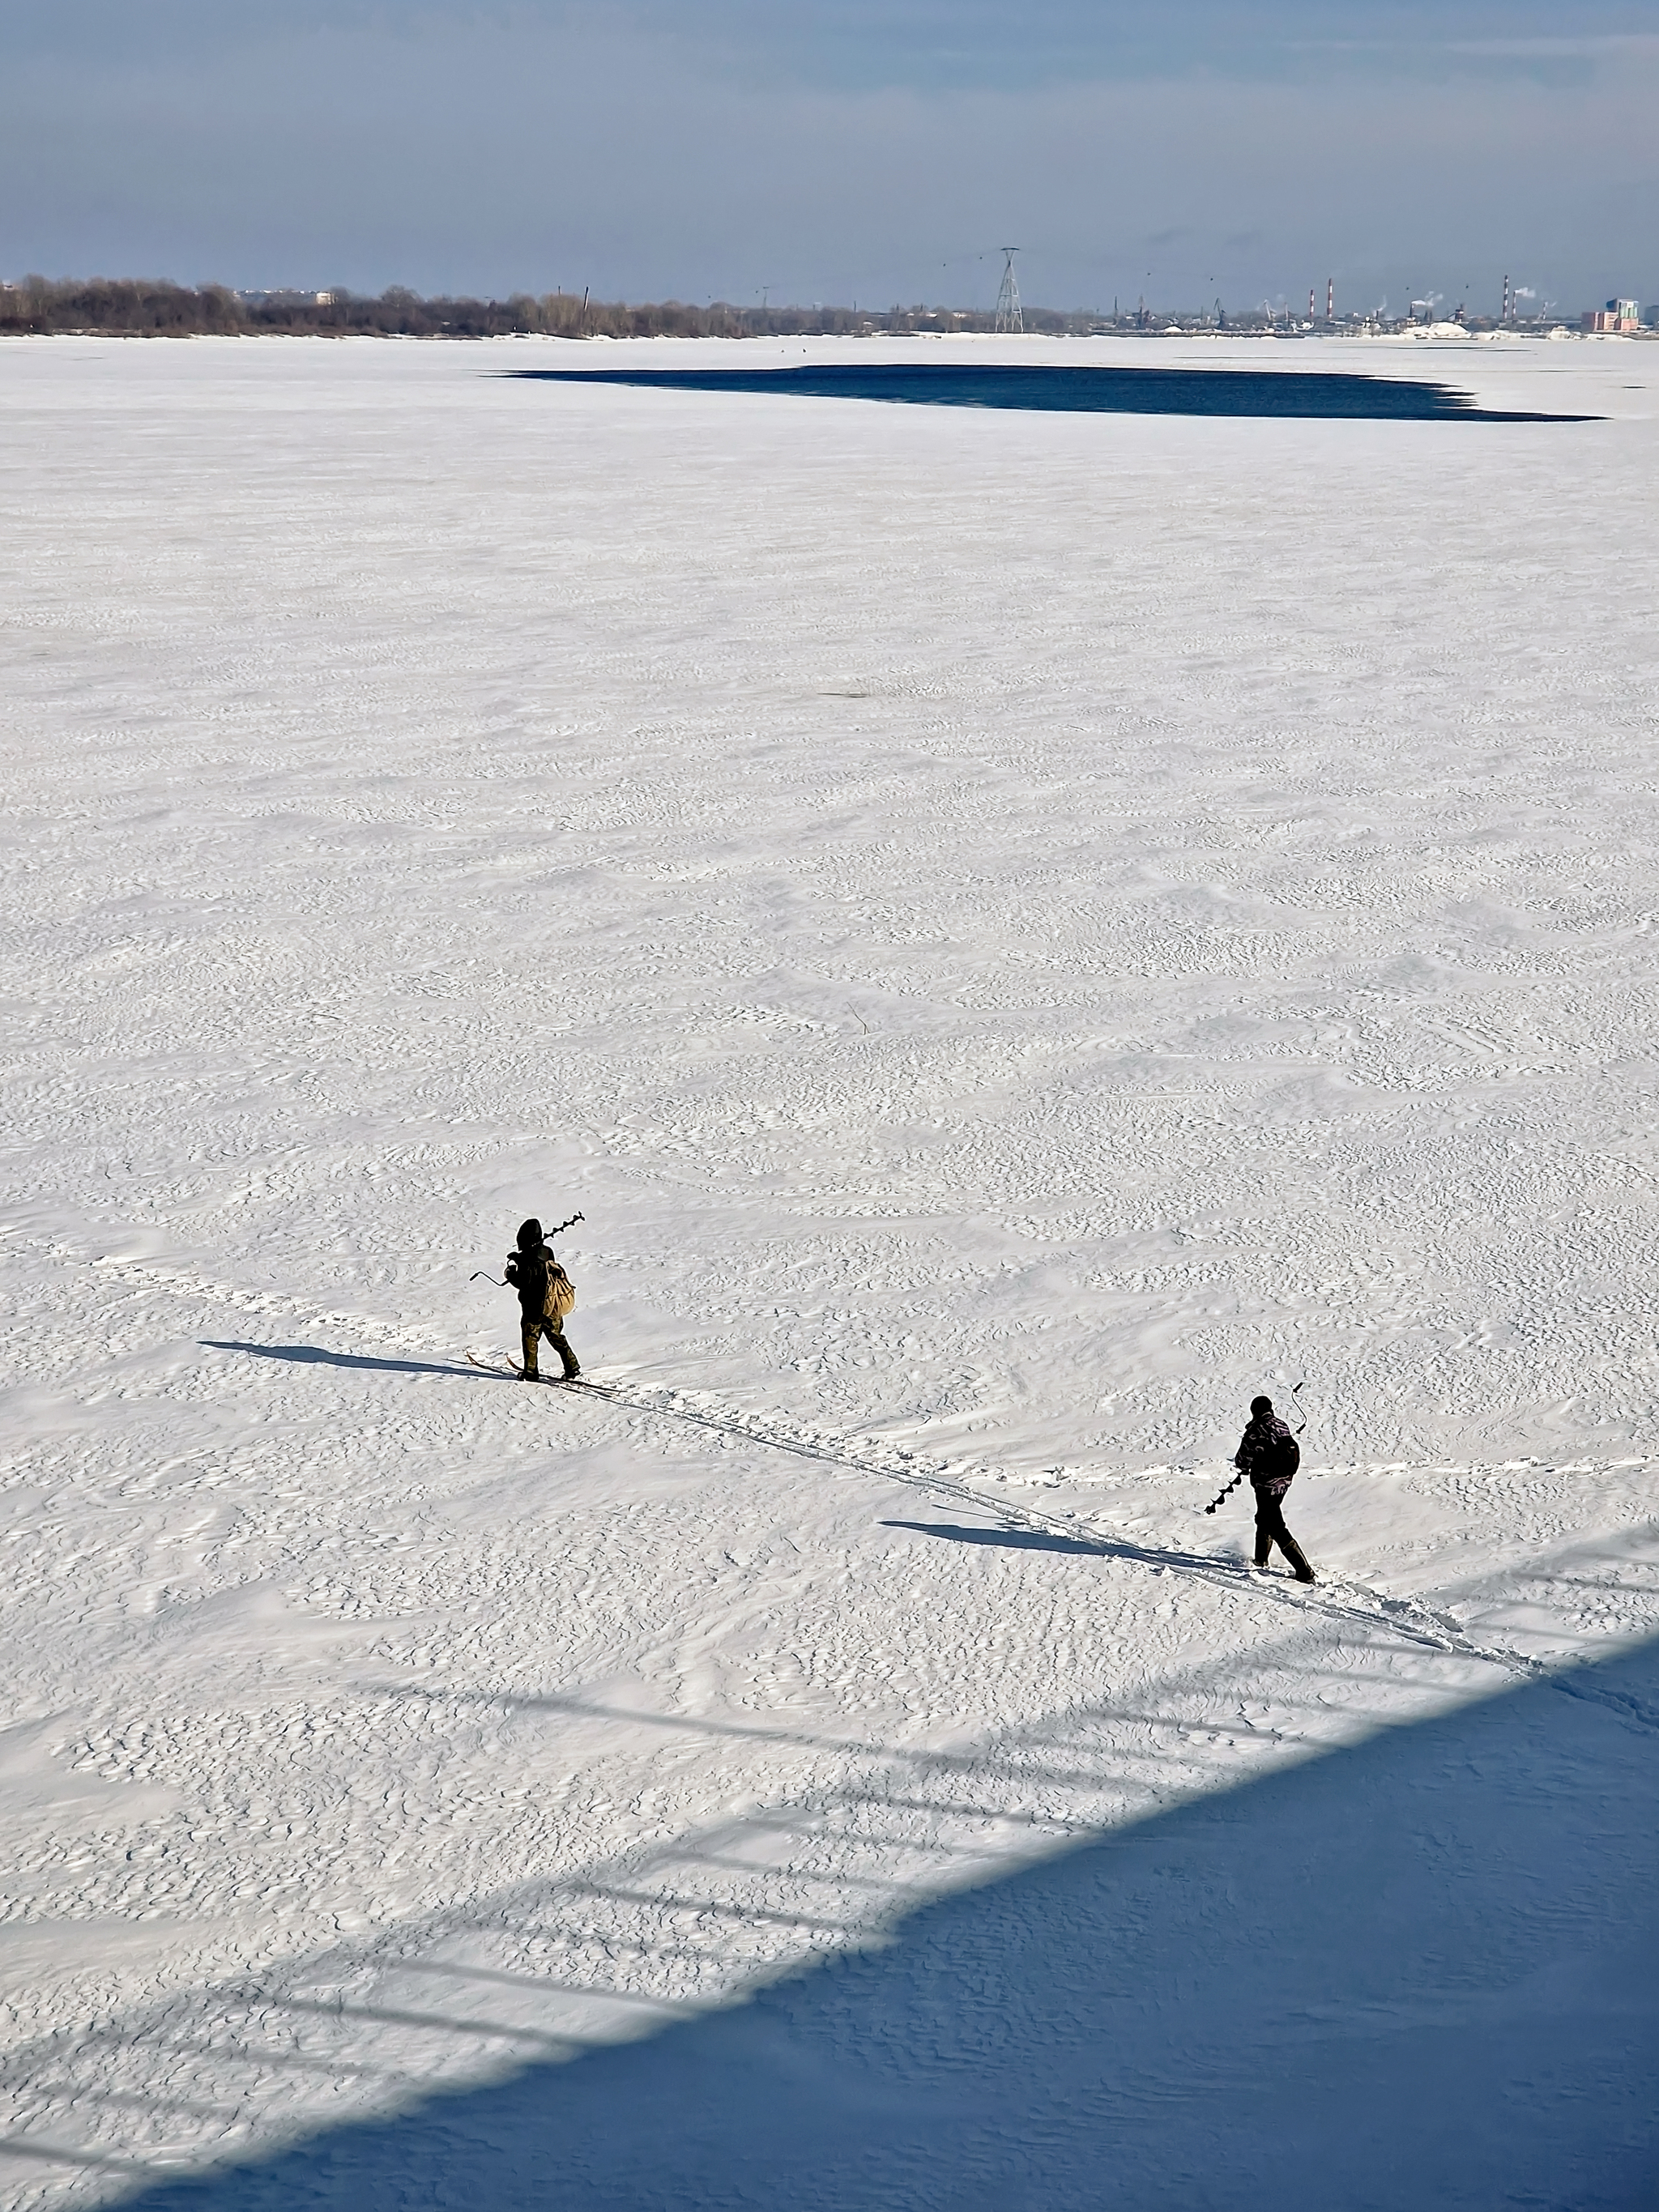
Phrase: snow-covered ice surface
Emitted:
{"points": [[1016, 932]]}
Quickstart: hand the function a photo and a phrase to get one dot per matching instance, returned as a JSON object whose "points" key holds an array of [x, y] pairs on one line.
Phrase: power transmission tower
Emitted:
{"points": [[1008, 315]]}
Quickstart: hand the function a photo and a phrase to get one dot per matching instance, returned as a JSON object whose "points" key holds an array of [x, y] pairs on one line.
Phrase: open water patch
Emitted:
{"points": [[1285, 394]]}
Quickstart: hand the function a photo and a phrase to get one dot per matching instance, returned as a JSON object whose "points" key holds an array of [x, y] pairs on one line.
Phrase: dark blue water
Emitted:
{"points": [[1090, 390]]}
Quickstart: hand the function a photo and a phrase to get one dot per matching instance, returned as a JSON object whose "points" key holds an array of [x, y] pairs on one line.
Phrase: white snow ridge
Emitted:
{"points": [[1016, 932]]}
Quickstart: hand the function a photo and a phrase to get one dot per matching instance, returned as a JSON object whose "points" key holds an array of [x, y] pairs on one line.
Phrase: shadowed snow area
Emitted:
{"points": [[1017, 930], [1363, 1982]]}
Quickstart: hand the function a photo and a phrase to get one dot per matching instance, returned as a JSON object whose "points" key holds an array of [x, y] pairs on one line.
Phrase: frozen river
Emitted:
{"points": [[1016, 931]]}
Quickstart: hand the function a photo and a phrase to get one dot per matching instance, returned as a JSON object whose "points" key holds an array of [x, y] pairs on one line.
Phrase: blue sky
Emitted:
{"points": [[840, 150]]}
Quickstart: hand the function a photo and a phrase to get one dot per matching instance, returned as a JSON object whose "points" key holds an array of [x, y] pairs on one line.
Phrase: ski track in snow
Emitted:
{"points": [[1016, 933]]}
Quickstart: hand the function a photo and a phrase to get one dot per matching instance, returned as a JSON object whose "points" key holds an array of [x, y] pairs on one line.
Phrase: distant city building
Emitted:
{"points": [[1622, 317]]}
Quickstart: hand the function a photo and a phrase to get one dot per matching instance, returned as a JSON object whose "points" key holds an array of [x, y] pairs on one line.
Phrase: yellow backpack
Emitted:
{"points": [[560, 1298]]}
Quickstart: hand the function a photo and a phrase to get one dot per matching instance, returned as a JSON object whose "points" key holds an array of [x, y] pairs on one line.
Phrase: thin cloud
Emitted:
{"points": [[546, 148]]}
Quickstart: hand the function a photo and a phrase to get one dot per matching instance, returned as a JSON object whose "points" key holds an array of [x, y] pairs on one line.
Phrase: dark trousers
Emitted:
{"points": [[1270, 1529], [534, 1328]]}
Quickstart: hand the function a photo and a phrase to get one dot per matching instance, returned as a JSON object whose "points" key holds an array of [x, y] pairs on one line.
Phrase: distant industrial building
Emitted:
{"points": [[1621, 316]]}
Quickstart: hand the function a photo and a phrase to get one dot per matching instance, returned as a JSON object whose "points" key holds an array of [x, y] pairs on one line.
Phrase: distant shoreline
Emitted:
{"points": [[139, 307]]}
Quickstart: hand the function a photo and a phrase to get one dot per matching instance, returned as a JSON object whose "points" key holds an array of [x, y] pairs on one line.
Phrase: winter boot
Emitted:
{"points": [[1297, 1558]]}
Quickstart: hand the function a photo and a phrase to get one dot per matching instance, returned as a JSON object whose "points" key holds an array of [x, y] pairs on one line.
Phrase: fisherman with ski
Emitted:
{"points": [[545, 1296], [1268, 1455]]}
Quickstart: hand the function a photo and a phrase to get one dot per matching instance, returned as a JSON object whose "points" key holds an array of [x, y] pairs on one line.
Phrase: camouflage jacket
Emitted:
{"points": [[1269, 1455]]}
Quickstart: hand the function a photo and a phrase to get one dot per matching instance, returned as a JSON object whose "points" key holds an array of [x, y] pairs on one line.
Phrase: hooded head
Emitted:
{"points": [[530, 1235], [1260, 1408]]}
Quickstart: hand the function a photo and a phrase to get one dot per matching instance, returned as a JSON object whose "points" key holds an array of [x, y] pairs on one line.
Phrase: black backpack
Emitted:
{"points": [[1282, 1459]]}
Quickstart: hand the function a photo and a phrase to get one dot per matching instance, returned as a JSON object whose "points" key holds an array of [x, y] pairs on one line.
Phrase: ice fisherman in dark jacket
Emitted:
{"points": [[1269, 1455], [527, 1270]]}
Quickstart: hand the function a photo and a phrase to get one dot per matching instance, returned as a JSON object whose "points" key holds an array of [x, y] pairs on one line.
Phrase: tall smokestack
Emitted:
{"points": [[1330, 299]]}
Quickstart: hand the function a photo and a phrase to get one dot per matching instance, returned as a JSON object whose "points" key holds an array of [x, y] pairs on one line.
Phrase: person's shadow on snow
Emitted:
{"points": [[1009, 1540], [313, 1355], [1211, 1564]]}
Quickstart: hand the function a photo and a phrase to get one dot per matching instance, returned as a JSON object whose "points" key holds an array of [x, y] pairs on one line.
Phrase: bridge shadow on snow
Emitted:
{"points": [[1094, 390], [1418, 1973]]}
